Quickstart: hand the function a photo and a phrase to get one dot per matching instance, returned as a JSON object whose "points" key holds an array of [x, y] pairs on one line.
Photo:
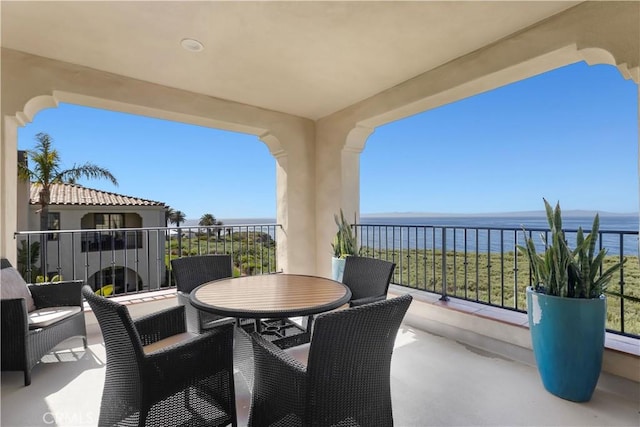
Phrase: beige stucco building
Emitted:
{"points": [[100, 258], [311, 79]]}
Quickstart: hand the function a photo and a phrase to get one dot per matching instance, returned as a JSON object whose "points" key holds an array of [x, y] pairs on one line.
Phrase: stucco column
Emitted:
{"points": [[8, 187], [292, 148], [21, 100], [338, 148]]}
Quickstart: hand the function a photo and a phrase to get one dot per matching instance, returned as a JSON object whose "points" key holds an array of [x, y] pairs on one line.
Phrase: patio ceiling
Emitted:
{"points": [[308, 59]]}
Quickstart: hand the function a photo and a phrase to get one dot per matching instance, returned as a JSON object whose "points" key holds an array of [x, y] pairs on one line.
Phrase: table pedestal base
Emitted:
{"points": [[282, 332]]}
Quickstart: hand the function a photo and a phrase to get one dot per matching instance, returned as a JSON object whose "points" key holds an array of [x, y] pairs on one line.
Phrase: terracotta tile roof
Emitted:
{"points": [[71, 194]]}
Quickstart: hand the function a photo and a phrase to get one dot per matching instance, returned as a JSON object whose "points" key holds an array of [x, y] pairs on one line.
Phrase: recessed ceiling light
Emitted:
{"points": [[192, 45]]}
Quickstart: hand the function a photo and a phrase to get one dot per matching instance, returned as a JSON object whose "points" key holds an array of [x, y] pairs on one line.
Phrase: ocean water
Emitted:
{"points": [[607, 222], [419, 232], [486, 233]]}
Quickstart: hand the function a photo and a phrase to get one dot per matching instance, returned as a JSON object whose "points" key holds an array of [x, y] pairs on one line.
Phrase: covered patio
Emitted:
{"points": [[435, 380], [311, 79]]}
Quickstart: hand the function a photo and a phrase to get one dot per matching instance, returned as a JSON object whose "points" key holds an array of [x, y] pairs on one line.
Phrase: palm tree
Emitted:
{"points": [[207, 220], [219, 229], [47, 171], [168, 214], [176, 217]]}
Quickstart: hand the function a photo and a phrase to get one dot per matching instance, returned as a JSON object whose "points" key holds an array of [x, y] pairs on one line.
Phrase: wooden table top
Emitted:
{"points": [[270, 296]]}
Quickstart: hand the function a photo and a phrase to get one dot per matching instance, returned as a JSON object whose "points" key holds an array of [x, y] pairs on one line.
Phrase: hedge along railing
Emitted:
{"points": [[139, 259], [482, 265]]}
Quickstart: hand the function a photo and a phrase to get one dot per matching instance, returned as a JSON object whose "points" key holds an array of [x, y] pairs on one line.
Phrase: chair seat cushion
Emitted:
{"points": [[300, 353], [172, 340], [12, 285], [44, 317]]}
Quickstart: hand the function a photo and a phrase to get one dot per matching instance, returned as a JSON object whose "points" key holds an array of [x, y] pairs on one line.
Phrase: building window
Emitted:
{"points": [[53, 223], [103, 221], [110, 240]]}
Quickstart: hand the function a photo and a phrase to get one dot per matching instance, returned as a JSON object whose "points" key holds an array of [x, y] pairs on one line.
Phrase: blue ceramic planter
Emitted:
{"points": [[568, 342], [337, 268]]}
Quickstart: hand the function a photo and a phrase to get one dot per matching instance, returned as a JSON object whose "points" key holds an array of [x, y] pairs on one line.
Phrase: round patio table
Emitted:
{"points": [[270, 296], [270, 300]]}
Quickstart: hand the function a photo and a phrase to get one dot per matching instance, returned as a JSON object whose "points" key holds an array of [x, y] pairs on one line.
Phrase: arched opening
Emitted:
{"points": [[191, 168], [569, 134], [460, 183], [97, 240], [115, 280], [203, 172]]}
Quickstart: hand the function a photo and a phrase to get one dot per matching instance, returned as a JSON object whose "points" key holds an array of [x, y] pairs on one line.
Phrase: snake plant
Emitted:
{"points": [[561, 271], [345, 242]]}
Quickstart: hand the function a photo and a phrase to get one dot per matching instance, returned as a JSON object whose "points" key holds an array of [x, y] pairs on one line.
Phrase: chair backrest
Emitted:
{"points": [[349, 366], [367, 277], [121, 339], [191, 272], [12, 285]]}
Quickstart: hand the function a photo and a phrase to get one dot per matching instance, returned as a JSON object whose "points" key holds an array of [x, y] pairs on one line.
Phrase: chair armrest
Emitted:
{"points": [[15, 320], [191, 344], [279, 388], [66, 293], [275, 353], [366, 300], [204, 355], [162, 324]]}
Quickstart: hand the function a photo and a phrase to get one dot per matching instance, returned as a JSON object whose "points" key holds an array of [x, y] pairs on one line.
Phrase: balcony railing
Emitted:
{"points": [[483, 265], [93, 241], [478, 264], [130, 260]]}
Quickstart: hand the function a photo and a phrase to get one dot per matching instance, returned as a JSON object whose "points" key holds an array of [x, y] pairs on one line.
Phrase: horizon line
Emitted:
{"points": [[572, 212]]}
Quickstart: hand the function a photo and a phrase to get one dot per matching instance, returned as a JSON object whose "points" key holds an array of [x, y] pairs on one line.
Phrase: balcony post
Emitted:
{"points": [[443, 296]]}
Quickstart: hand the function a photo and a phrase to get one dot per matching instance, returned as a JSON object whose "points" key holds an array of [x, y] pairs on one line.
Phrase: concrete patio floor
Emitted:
{"points": [[435, 382]]}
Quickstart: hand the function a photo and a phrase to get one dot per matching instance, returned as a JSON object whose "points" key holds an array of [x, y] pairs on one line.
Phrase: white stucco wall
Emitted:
{"points": [[84, 264]]}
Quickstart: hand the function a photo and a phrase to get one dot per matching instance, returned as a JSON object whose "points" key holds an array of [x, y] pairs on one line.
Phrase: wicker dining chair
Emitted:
{"points": [[368, 279], [191, 272], [158, 374], [346, 381]]}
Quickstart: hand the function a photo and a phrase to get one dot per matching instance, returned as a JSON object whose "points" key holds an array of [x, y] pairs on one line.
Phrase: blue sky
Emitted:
{"points": [[570, 135]]}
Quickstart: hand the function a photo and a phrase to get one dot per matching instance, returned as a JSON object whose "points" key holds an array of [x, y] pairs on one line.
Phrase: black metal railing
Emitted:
{"points": [[478, 264], [93, 241], [483, 265], [130, 260]]}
